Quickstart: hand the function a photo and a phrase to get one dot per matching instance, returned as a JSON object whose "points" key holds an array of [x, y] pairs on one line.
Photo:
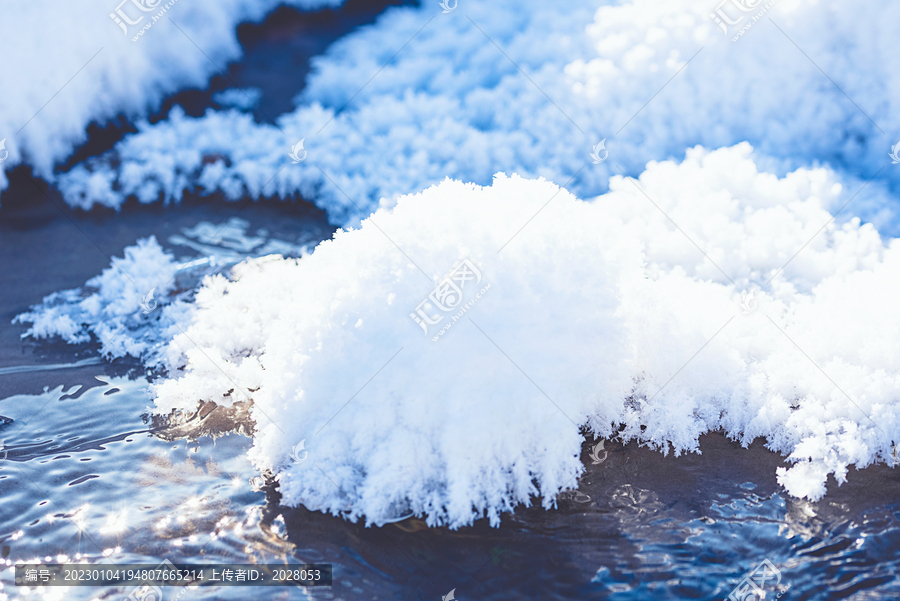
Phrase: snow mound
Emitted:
{"points": [[440, 359], [101, 67], [451, 104]]}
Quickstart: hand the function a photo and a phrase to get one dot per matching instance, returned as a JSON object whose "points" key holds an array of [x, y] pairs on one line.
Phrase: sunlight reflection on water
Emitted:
{"points": [[88, 480]]}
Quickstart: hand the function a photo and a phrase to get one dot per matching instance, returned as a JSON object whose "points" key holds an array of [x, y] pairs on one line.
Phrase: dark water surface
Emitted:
{"points": [[89, 475], [85, 470]]}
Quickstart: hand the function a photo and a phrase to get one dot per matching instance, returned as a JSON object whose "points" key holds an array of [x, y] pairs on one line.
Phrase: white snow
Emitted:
{"points": [[452, 104], [134, 306], [601, 313], [66, 66], [239, 98], [116, 308]]}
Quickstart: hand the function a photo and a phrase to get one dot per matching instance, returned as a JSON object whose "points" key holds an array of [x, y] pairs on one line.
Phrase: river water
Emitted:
{"points": [[88, 476]]}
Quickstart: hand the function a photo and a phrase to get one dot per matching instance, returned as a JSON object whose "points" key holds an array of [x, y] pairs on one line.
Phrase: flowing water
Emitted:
{"points": [[87, 475]]}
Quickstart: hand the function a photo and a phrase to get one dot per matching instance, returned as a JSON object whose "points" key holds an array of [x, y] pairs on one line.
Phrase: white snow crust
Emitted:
{"points": [[650, 78], [66, 66]]}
